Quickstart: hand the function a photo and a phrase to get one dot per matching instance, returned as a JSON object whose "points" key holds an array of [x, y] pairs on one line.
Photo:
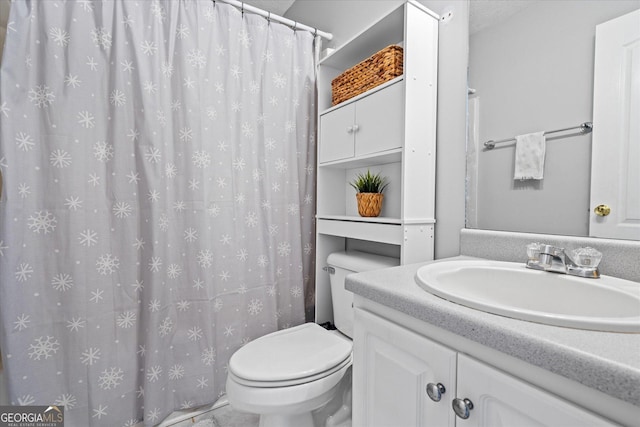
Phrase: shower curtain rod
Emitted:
{"points": [[272, 17]]}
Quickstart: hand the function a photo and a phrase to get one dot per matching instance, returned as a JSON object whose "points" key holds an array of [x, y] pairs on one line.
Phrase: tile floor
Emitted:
{"points": [[221, 417], [224, 416]]}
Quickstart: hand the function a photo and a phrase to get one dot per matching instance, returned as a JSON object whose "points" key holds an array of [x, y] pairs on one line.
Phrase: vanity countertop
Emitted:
{"points": [[608, 362]]}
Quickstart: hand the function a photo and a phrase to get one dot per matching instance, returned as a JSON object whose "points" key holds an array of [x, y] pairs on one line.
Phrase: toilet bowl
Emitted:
{"points": [[285, 375]]}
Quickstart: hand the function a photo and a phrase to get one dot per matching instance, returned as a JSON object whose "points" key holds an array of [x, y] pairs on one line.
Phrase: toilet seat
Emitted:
{"points": [[293, 382], [290, 357]]}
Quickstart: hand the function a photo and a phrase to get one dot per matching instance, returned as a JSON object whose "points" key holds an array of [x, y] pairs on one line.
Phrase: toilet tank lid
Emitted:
{"points": [[357, 261]]}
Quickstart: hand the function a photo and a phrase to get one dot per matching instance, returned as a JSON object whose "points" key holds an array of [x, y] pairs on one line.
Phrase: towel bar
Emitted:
{"points": [[584, 128]]}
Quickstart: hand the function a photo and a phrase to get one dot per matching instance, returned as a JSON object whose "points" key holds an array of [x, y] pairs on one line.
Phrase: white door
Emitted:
{"points": [[615, 164], [392, 367], [500, 400]]}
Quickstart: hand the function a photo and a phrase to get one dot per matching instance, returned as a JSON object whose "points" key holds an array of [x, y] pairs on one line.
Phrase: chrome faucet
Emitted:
{"points": [[583, 262]]}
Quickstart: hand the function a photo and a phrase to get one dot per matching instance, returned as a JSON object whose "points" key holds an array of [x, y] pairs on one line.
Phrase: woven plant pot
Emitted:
{"points": [[369, 204]]}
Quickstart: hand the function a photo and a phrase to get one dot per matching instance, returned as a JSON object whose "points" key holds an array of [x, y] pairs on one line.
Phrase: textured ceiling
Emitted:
{"points": [[278, 7], [482, 13], [485, 13]]}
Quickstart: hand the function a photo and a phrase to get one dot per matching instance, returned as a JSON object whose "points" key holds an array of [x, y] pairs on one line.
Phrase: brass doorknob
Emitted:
{"points": [[602, 210]]}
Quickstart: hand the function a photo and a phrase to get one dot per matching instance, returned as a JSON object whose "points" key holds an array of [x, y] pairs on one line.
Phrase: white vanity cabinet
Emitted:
{"points": [[372, 124], [391, 130], [502, 399], [393, 366]]}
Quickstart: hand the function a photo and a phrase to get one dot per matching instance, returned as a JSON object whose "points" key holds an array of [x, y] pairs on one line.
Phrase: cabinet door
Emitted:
{"points": [[500, 399], [380, 120], [336, 134], [391, 369]]}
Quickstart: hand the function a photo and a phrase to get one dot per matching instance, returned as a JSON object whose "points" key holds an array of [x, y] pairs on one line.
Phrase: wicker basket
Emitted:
{"points": [[373, 71], [369, 204]]}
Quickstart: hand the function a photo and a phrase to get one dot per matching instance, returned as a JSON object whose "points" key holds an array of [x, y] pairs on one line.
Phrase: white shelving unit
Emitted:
{"points": [[389, 129]]}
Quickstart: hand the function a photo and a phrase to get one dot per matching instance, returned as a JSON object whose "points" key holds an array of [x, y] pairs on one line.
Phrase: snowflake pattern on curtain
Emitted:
{"points": [[157, 210]]}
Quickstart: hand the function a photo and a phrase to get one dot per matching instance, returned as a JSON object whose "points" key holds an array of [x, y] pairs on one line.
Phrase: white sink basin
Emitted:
{"points": [[512, 290]]}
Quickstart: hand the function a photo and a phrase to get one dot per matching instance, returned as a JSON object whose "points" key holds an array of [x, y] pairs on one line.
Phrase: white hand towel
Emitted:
{"points": [[530, 149]]}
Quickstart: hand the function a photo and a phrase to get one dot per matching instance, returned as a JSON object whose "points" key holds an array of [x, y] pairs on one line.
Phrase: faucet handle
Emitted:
{"points": [[533, 251], [586, 257]]}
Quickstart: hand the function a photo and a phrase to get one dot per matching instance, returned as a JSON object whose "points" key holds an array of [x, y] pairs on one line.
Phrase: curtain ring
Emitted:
{"points": [[295, 26], [214, 3], [269, 17], [315, 32], [242, 8]]}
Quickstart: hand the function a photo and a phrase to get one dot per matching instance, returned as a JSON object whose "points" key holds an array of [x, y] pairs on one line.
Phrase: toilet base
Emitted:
{"points": [[291, 406], [342, 417], [278, 420]]}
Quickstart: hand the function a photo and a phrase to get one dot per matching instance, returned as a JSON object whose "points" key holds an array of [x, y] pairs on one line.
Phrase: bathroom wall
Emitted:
{"points": [[534, 72], [346, 18]]}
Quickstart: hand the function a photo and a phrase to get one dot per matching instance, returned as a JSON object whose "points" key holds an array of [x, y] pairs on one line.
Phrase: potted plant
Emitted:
{"points": [[369, 188]]}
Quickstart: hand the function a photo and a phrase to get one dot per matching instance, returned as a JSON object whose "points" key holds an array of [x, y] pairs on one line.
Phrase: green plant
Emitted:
{"points": [[369, 183]]}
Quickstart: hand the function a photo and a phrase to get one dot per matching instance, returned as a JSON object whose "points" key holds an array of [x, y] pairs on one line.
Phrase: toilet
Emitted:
{"points": [[285, 375]]}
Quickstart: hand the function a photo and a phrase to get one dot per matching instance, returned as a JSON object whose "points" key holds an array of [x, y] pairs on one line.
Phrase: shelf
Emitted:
{"points": [[373, 159], [356, 228], [375, 220], [395, 136], [363, 94], [386, 31]]}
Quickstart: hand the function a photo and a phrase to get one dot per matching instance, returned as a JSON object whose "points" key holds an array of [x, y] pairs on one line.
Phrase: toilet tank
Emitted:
{"points": [[345, 263]]}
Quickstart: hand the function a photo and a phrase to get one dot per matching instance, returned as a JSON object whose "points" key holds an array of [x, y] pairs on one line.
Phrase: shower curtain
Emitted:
{"points": [[157, 210]]}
